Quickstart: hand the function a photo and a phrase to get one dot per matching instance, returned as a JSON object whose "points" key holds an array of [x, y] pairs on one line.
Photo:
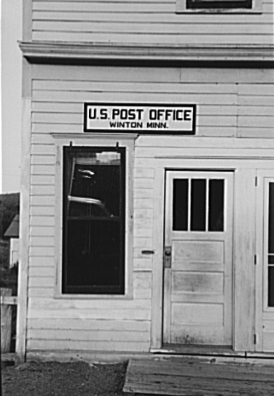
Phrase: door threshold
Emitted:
{"points": [[198, 350], [211, 351]]}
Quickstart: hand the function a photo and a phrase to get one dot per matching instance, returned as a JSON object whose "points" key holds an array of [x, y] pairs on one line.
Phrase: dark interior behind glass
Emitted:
{"points": [[93, 220]]}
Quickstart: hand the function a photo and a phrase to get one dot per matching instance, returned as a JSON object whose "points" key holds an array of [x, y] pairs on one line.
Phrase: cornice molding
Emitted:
{"points": [[56, 52]]}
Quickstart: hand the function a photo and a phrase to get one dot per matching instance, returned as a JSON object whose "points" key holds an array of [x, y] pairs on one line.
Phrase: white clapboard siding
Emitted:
{"points": [[149, 17], [145, 22], [41, 262], [84, 324], [42, 170], [42, 159], [256, 102], [37, 180], [42, 190], [167, 87], [222, 99], [153, 39], [42, 211], [150, 28], [42, 231], [89, 335], [114, 346], [217, 102], [47, 200], [149, 75]]}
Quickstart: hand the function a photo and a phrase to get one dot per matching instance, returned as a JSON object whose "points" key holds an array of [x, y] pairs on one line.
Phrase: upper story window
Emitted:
{"points": [[218, 4]]}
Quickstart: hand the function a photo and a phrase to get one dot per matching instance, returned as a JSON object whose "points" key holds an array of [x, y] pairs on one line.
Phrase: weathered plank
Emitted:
{"points": [[190, 377]]}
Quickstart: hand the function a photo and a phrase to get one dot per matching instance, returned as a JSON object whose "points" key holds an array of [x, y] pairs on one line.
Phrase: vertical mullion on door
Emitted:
{"points": [[189, 204], [207, 205]]}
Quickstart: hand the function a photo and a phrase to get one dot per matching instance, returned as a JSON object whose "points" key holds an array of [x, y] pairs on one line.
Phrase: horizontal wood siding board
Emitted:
{"points": [[108, 7], [42, 231], [41, 261], [258, 38], [44, 211], [156, 18], [151, 28], [89, 335], [142, 97], [122, 86], [122, 314], [92, 325], [67, 345], [150, 75], [48, 271]]}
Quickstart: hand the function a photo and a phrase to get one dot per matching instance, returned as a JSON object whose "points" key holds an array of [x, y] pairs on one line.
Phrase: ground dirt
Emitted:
{"points": [[63, 379]]}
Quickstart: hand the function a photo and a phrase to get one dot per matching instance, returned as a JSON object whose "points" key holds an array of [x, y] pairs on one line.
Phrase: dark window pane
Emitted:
{"points": [[271, 286], [271, 219], [198, 204], [180, 204], [218, 4], [216, 205], [270, 259], [93, 252]]}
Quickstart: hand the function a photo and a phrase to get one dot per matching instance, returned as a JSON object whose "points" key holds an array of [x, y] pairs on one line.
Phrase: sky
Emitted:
{"points": [[10, 102]]}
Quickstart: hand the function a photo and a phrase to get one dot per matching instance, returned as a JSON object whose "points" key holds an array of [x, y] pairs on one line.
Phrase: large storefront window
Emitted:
{"points": [[93, 220]]}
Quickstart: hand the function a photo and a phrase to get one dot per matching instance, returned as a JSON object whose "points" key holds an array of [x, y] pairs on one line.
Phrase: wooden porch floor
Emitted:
{"points": [[184, 376]]}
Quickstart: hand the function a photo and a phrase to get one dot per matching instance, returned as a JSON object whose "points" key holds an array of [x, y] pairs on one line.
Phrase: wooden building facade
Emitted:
{"points": [[142, 234]]}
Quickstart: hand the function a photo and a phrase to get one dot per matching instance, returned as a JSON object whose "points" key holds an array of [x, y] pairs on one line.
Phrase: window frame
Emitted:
{"points": [[94, 140], [182, 8]]}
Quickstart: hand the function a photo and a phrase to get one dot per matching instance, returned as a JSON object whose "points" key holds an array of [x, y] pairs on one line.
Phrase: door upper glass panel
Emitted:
{"points": [[198, 205]]}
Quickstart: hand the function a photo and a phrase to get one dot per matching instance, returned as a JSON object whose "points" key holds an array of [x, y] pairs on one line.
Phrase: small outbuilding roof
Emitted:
{"points": [[13, 229]]}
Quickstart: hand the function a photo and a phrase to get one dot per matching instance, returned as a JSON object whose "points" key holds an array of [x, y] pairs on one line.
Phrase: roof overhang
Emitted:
{"points": [[154, 55]]}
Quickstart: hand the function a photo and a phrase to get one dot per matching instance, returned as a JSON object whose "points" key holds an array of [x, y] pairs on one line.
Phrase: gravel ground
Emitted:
{"points": [[63, 379]]}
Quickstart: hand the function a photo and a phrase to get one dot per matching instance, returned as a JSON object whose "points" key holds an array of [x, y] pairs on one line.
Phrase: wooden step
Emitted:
{"points": [[174, 376]]}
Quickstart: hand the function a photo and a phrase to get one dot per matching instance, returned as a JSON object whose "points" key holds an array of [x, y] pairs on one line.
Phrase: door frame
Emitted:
{"points": [[244, 237], [261, 311]]}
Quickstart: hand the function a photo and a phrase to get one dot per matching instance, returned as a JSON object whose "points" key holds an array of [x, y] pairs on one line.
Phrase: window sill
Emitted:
{"points": [[221, 11], [58, 296]]}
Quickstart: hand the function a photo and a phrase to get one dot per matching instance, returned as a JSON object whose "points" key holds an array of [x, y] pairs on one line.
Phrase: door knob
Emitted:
{"points": [[167, 257]]}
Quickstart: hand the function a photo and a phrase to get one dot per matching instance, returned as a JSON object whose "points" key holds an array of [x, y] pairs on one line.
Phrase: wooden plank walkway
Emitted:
{"points": [[174, 376]]}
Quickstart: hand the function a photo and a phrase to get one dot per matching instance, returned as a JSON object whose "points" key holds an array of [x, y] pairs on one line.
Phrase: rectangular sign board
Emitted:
{"points": [[146, 118]]}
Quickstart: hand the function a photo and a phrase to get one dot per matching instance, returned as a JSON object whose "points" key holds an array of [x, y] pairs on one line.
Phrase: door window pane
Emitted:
{"points": [[216, 205], [93, 231], [198, 205], [180, 204], [271, 286]]}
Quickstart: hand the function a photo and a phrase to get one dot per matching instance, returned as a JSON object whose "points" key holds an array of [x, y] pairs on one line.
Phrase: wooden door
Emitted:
{"points": [[198, 258]]}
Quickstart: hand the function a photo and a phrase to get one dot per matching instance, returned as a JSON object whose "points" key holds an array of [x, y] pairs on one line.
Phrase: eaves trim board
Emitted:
{"points": [[56, 52]]}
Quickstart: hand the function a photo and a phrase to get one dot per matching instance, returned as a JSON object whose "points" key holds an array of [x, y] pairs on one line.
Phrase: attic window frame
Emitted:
{"points": [[220, 6]]}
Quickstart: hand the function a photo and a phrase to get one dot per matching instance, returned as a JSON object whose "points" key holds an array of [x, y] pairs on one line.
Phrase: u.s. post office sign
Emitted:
{"points": [[145, 118]]}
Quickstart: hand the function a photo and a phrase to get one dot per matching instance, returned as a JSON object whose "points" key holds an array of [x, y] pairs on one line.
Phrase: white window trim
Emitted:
{"points": [[256, 9], [94, 140]]}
